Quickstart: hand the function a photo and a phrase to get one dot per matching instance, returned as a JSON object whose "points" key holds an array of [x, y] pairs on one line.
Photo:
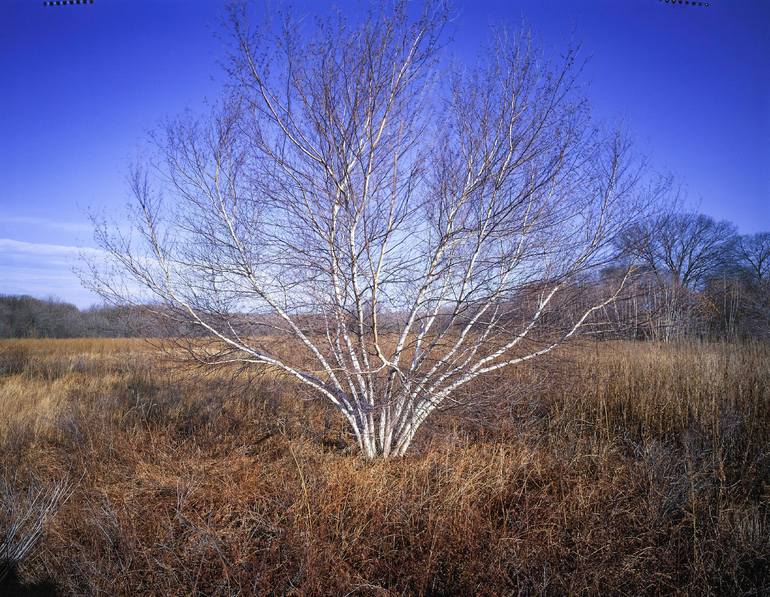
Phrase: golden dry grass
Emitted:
{"points": [[618, 468]]}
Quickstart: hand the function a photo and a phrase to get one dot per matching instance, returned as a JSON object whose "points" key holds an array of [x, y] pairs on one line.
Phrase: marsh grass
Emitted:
{"points": [[615, 468]]}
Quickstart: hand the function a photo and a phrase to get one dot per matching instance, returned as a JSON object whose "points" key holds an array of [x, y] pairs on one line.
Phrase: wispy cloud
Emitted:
{"points": [[25, 248], [42, 270], [47, 223]]}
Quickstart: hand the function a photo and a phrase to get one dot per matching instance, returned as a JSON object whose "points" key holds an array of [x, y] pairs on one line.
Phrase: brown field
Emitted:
{"points": [[620, 468]]}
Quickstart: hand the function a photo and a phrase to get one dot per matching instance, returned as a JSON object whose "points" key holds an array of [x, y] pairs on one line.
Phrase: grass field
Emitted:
{"points": [[615, 468]]}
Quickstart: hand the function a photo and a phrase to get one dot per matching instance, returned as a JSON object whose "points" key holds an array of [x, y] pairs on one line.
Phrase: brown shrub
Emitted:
{"points": [[13, 359]]}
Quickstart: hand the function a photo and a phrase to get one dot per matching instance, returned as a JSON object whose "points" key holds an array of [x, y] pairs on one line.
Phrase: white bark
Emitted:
{"points": [[408, 235]]}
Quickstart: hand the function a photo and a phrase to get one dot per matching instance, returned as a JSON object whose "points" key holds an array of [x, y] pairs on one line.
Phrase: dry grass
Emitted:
{"points": [[618, 469]]}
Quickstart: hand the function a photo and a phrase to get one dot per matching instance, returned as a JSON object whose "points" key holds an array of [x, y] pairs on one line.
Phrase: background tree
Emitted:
{"points": [[752, 252], [681, 252], [740, 294], [683, 248], [410, 229], [28, 317]]}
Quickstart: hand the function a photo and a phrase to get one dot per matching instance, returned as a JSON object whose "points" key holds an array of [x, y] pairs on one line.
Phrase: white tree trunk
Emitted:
{"points": [[405, 244]]}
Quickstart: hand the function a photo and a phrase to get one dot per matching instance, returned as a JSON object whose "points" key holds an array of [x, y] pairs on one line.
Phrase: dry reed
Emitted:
{"points": [[615, 468]]}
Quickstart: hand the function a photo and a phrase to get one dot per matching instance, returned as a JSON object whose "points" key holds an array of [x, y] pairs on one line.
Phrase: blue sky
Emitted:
{"points": [[83, 85]]}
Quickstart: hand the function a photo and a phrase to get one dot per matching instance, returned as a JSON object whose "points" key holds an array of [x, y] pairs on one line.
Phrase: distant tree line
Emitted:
{"points": [[695, 277], [28, 317], [23, 316]]}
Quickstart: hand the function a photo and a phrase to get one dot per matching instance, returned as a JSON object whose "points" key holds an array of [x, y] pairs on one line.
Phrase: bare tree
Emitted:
{"points": [[410, 228], [741, 294], [680, 252], [752, 253], [682, 248]]}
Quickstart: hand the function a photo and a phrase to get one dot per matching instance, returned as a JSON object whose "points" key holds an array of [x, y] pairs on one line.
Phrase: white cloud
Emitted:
{"points": [[23, 247], [45, 223], [42, 270]]}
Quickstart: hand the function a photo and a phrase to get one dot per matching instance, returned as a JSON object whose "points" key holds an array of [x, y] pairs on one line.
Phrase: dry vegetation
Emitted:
{"points": [[628, 469]]}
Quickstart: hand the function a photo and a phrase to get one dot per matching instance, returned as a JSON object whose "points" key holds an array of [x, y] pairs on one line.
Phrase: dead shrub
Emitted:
{"points": [[13, 359], [23, 516]]}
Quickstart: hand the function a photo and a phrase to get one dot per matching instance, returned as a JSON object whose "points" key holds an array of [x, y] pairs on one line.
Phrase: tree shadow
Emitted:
{"points": [[11, 586]]}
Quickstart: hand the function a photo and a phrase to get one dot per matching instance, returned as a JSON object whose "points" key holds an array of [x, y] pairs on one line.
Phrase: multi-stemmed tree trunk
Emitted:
{"points": [[410, 228]]}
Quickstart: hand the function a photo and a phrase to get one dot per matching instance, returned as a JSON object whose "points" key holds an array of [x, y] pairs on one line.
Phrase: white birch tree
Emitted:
{"points": [[410, 226]]}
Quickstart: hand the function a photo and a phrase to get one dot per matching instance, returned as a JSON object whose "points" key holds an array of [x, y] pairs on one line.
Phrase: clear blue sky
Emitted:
{"points": [[82, 85]]}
